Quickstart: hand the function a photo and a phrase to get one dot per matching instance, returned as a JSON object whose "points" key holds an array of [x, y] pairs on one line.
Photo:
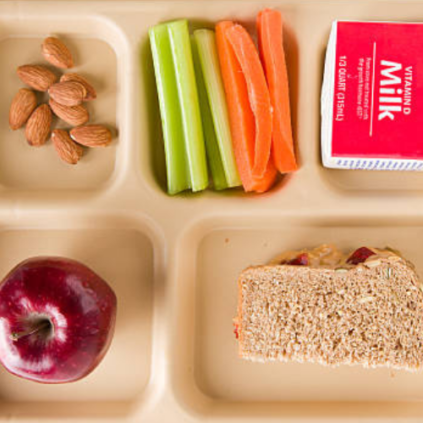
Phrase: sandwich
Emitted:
{"points": [[323, 306]]}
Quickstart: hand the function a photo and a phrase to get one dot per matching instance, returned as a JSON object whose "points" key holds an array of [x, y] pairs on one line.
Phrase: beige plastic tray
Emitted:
{"points": [[173, 262]]}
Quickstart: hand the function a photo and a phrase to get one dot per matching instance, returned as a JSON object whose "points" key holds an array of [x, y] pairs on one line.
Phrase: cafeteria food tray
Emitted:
{"points": [[173, 261]]}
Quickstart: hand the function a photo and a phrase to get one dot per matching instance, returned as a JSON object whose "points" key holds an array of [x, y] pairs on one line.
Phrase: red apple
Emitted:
{"points": [[56, 320]]}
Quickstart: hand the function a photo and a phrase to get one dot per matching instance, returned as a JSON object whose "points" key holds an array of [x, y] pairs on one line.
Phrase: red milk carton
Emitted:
{"points": [[372, 97]]}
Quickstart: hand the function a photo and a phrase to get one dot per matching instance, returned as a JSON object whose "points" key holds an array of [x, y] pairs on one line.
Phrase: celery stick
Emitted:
{"points": [[206, 43], [188, 101], [212, 149], [176, 164]]}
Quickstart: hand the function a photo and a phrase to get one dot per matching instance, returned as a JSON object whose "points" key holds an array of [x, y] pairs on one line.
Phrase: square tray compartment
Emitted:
{"points": [[214, 380], [23, 168], [353, 183], [124, 257]]}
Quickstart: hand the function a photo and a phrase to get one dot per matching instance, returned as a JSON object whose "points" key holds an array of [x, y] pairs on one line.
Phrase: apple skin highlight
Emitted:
{"points": [[57, 320]]}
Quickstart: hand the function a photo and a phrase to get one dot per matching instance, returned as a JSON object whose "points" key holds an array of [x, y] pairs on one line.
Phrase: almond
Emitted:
{"points": [[38, 126], [91, 93], [92, 135], [38, 77], [56, 52], [68, 93], [23, 104], [68, 151], [74, 115]]}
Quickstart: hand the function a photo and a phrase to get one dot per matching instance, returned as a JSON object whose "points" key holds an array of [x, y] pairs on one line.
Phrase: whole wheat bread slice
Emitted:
{"points": [[370, 314]]}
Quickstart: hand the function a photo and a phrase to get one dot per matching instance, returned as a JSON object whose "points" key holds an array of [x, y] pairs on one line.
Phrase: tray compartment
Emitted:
{"points": [[24, 168], [203, 15], [124, 256], [215, 380], [355, 182]]}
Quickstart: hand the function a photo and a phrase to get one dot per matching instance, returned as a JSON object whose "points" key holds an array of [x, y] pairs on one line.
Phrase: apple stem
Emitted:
{"points": [[44, 324]]}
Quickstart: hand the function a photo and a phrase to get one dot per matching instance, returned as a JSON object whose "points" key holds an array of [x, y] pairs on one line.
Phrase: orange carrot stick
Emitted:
{"points": [[269, 28], [258, 94], [241, 116]]}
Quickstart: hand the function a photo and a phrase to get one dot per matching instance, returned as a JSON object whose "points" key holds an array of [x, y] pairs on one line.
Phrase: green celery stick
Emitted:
{"points": [[207, 50], [176, 163], [189, 104], [212, 149]]}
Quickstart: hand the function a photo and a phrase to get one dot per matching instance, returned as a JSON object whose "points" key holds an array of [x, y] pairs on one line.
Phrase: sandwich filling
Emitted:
{"points": [[329, 256]]}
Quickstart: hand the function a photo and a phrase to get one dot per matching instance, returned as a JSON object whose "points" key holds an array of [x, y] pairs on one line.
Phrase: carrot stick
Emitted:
{"points": [[241, 116], [269, 28], [258, 94]]}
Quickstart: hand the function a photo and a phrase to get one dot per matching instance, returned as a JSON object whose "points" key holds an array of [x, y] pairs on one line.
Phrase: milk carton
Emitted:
{"points": [[372, 97]]}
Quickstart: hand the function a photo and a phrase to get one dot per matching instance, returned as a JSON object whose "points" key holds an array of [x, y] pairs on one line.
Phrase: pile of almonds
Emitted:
{"points": [[66, 99]]}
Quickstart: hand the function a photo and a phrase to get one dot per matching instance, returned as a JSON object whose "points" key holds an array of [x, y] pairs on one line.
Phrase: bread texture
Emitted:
{"points": [[370, 314]]}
